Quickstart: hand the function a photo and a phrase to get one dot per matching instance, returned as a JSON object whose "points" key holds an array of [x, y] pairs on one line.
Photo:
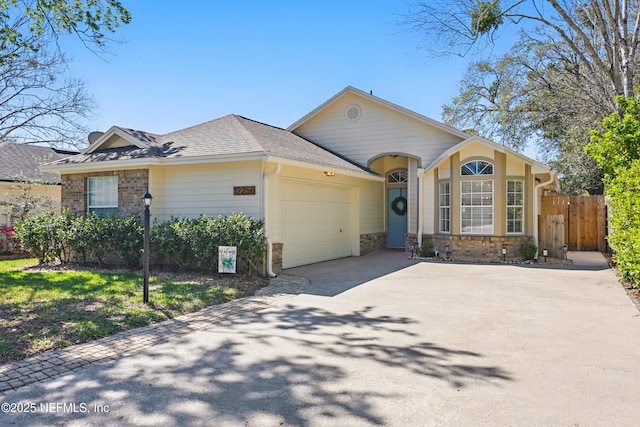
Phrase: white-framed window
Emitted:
{"points": [[476, 167], [102, 194], [515, 206], [476, 207], [398, 177], [445, 207]]}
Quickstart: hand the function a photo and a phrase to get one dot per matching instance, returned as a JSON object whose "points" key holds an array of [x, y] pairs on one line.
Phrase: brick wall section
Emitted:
{"points": [[474, 248], [372, 242], [276, 259], [132, 184]]}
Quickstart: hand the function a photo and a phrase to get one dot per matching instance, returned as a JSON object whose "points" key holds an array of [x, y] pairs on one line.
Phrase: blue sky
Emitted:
{"points": [[271, 61]]}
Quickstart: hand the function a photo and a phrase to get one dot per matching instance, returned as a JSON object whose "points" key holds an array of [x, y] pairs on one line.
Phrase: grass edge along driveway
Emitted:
{"points": [[48, 309]]}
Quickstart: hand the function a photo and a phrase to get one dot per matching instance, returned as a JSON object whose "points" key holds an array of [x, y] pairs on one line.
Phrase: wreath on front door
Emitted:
{"points": [[399, 205]]}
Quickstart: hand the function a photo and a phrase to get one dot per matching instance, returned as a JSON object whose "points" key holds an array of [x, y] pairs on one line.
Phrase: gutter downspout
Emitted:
{"points": [[265, 181], [552, 178], [421, 173]]}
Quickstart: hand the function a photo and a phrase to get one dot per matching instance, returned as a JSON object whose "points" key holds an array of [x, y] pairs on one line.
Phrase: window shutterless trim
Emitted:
{"points": [[477, 207], [441, 207], [112, 190], [522, 217]]}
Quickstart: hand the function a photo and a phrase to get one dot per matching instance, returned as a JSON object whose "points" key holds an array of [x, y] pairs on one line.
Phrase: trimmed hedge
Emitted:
{"points": [[186, 243], [82, 239], [624, 221], [616, 149], [192, 243]]}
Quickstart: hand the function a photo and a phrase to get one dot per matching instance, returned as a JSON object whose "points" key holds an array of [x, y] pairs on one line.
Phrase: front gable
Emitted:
{"points": [[115, 137], [477, 148], [363, 127]]}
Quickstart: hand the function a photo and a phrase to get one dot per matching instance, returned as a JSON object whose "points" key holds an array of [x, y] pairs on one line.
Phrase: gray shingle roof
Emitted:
{"points": [[18, 161], [228, 135]]}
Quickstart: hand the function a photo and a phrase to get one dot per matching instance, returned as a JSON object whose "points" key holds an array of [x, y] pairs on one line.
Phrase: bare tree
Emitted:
{"points": [[39, 102], [603, 35], [559, 80]]}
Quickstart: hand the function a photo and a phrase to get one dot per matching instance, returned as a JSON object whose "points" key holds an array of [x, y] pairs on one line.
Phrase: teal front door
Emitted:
{"points": [[397, 217]]}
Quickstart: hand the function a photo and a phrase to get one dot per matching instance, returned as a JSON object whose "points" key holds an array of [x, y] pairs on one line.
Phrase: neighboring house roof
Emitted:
{"points": [[231, 135], [20, 161]]}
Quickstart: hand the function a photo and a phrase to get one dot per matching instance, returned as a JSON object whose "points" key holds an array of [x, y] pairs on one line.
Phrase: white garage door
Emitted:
{"points": [[316, 222]]}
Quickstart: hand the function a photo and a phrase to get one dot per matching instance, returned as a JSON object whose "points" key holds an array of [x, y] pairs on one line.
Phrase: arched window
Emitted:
{"points": [[397, 177], [477, 167]]}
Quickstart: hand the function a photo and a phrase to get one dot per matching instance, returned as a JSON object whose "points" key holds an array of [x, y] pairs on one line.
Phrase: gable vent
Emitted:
{"points": [[352, 112]]}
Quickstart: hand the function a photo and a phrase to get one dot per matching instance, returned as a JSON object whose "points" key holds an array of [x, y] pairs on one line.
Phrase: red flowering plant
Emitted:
{"points": [[8, 241]]}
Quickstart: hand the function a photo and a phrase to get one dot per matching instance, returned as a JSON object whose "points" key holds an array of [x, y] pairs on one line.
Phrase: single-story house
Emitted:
{"points": [[21, 178], [355, 175]]}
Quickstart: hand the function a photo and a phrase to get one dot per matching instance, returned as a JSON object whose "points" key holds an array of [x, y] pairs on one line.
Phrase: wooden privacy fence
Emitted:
{"points": [[582, 226], [552, 235]]}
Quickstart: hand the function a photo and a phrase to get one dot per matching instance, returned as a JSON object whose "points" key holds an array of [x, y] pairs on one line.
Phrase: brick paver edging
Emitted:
{"points": [[57, 363]]}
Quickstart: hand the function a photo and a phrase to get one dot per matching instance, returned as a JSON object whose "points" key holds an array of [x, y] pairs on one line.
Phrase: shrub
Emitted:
{"points": [[426, 250], [169, 244], [183, 242], [83, 238], [616, 150], [624, 222], [193, 242], [42, 236], [527, 251], [8, 241]]}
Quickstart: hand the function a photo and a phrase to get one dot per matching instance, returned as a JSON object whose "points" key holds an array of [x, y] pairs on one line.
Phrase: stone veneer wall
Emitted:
{"points": [[474, 248], [372, 242], [132, 184], [276, 257]]}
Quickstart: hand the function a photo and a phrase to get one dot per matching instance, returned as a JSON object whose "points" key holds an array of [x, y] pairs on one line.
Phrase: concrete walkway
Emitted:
{"points": [[376, 340]]}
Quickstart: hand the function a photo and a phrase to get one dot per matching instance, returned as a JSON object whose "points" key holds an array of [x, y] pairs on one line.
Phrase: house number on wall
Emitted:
{"points": [[246, 190]]}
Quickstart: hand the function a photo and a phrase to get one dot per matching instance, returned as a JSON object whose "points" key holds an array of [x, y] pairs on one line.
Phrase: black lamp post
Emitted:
{"points": [[146, 199]]}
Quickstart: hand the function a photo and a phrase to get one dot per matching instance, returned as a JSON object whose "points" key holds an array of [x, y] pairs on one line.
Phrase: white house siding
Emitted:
{"points": [[372, 207], [273, 226], [379, 130], [429, 204], [412, 200], [192, 190]]}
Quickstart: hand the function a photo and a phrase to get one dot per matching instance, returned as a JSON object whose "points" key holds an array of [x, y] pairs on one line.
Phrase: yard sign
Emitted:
{"points": [[227, 259]]}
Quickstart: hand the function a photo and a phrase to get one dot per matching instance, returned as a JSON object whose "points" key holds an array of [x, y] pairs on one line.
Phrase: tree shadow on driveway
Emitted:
{"points": [[331, 278], [282, 366]]}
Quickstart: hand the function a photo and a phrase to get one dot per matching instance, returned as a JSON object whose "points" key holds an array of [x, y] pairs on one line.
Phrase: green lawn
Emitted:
{"points": [[45, 310]]}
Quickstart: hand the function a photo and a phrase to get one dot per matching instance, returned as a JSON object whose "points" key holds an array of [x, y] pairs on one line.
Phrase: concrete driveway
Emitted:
{"points": [[382, 340]]}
